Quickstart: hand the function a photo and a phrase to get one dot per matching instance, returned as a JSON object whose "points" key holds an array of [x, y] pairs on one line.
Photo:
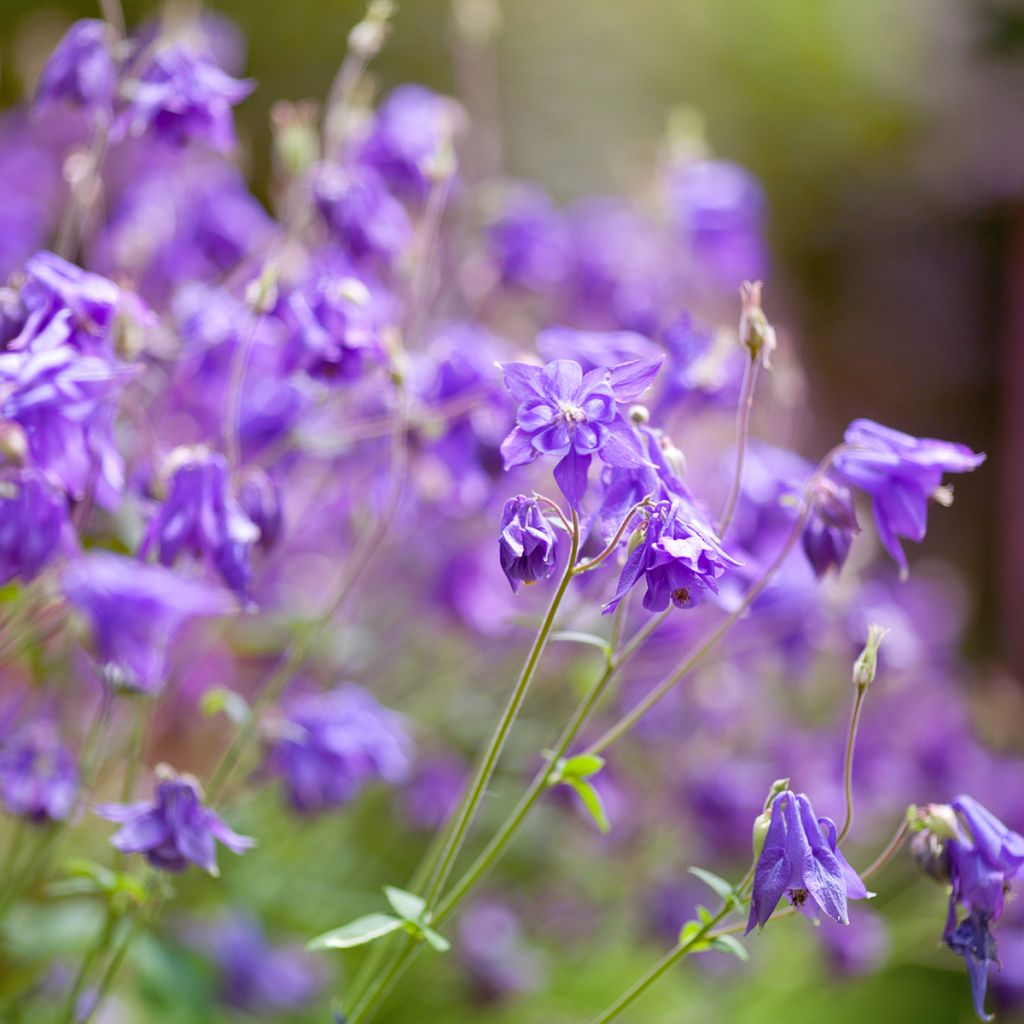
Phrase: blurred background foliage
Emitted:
{"points": [[888, 137]]}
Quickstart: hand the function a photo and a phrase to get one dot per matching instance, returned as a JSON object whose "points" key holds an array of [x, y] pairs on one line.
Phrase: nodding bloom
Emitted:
{"points": [[801, 860], [968, 847], [331, 744], [260, 499], [529, 240], [830, 529], [201, 517], [81, 69], [34, 524], [528, 545], [677, 558], [38, 773], [136, 612], [573, 415], [174, 829], [181, 96], [901, 473]]}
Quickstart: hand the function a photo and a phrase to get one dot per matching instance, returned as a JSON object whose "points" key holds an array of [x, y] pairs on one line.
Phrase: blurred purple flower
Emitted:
{"points": [[331, 744], [901, 473], [81, 70], [136, 612], [34, 524], [181, 96], [829, 532], [259, 497], [676, 558], [573, 415], [527, 545], [529, 241], [174, 829], [433, 791], [491, 946], [38, 773]]}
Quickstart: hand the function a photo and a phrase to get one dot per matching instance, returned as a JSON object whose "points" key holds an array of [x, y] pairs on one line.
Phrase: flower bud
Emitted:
{"points": [[931, 856], [760, 832], [260, 500], [527, 544], [866, 665], [755, 332], [939, 819]]}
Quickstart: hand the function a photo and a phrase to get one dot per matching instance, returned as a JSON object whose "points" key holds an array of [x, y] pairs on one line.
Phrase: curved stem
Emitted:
{"points": [[236, 387], [889, 852], [851, 740], [743, 410], [614, 542]]}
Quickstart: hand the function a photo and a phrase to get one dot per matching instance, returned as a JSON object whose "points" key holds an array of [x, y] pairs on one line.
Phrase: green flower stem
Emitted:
{"points": [[98, 948], [743, 410], [851, 740], [710, 641]]}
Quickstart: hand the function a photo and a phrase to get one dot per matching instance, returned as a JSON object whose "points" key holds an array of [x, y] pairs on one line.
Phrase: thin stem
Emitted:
{"points": [[556, 508], [116, 961], [889, 852], [70, 1012], [641, 708], [614, 542], [743, 411], [851, 740], [236, 386]]}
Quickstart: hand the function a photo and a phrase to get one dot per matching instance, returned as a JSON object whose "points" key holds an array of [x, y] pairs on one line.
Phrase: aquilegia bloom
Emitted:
{"points": [[81, 69], [677, 559], [830, 528], [801, 861], [173, 829], [34, 524], [573, 415], [527, 543], [979, 860], [38, 773], [901, 473]]}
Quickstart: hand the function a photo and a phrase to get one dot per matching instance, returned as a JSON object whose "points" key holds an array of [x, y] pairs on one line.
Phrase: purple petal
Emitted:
{"points": [[571, 477], [630, 380]]}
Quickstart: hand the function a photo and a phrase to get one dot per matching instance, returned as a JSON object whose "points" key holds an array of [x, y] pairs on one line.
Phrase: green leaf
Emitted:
{"points": [[591, 639], [582, 766], [220, 698], [436, 941], [705, 915], [721, 887], [688, 934], [357, 933], [730, 944], [591, 801], [406, 905]]}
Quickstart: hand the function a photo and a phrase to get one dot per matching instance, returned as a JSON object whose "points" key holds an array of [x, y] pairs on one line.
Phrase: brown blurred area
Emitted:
{"points": [[889, 140]]}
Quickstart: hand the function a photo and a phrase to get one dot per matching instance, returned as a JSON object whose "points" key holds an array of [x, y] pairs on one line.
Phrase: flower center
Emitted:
{"points": [[571, 414], [798, 897], [681, 597]]}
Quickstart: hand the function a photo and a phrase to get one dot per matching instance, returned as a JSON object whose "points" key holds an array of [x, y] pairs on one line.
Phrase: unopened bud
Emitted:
{"points": [[296, 141], [639, 414], [939, 819], [755, 332], [367, 37], [866, 665], [931, 856], [760, 833]]}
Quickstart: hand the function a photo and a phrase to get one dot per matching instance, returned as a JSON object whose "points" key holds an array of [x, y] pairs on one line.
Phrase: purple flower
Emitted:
{"points": [[830, 528], [973, 940], [181, 96], [175, 828], [529, 240], [38, 774], [573, 415], [802, 861], [677, 559], [413, 128], [901, 473], [81, 69], [492, 947], [136, 612], [260, 499], [34, 524], [256, 976], [331, 744], [201, 517], [366, 218], [528, 544]]}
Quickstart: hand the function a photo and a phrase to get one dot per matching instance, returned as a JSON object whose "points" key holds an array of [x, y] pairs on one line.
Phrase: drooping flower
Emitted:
{"points": [[901, 473], [181, 96], [677, 558], [331, 744], [34, 524], [801, 860], [38, 773], [528, 545], [830, 529], [259, 497], [81, 70], [173, 829], [136, 612], [201, 517], [573, 415], [528, 240]]}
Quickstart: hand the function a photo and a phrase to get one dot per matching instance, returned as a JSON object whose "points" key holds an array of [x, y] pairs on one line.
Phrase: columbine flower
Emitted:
{"points": [[201, 517], [529, 240], [801, 861], [970, 848], [174, 829], [676, 558], [830, 528], [528, 544], [901, 473], [181, 96], [34, 524], [81, 69], [38, 774], [573, 415], [331, 744], [136, 612], [260, 499]]}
